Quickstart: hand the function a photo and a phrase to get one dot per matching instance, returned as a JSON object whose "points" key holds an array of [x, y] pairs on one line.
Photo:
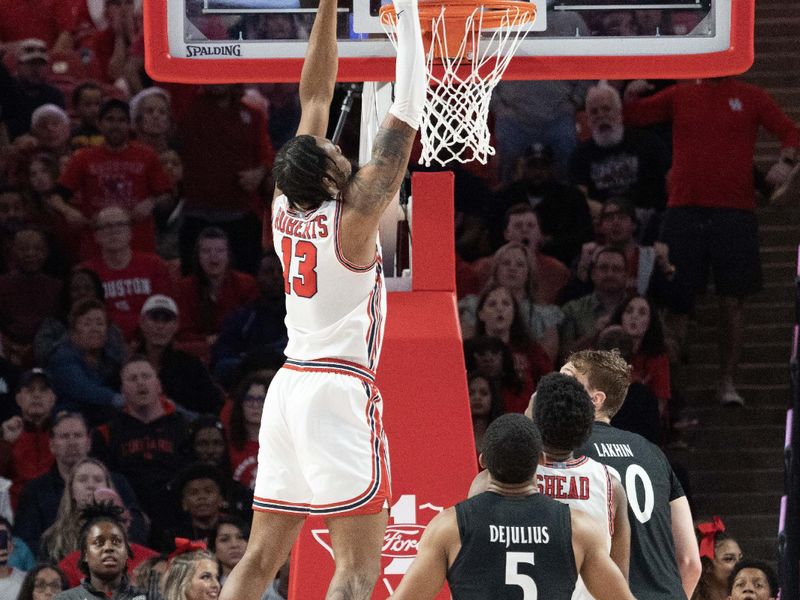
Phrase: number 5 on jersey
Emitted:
{"points": [[299, 267], [514, 577]]}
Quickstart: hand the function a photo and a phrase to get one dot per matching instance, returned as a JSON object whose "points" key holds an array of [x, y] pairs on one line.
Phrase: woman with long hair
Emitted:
{"points": [[498, 316], [43, 582], [650, 361], [192, 576], [485, 404], [492, 358], [248, 404], [514, 267], [228, 542], [212, 291], [719, 553], [61, 538]]}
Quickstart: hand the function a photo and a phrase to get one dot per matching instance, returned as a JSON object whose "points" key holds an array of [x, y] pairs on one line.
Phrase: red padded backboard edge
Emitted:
{"points": [[737, 59]]}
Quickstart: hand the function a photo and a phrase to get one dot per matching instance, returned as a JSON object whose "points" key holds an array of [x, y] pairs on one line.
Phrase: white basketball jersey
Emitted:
{"points": [[334, 309], [585, 484]]}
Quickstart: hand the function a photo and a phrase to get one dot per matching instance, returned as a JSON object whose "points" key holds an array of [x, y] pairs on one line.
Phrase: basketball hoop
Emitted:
{"points": [[463, 69]]}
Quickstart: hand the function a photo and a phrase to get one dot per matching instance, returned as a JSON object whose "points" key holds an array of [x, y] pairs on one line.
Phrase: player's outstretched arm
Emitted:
{"points": [[318, 78], [425, 577], [601, 576], [379, 180], [686, 553], [621, 538]]}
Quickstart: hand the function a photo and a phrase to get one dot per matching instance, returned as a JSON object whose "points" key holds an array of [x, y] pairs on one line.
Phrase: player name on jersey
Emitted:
{"points": [[613, 450], [511, 534], [301, 228], [561, 487]]}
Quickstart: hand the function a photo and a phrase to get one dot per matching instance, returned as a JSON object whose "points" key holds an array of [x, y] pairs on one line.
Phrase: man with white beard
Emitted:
{"points": [[617, 161]]}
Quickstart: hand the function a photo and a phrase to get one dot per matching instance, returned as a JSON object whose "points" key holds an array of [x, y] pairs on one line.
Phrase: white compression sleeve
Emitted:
{"points": [[411, 79]]}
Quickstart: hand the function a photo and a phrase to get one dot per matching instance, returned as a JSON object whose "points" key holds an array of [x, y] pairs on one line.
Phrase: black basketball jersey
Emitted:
{"points": [[513, 548], [651, 485]]}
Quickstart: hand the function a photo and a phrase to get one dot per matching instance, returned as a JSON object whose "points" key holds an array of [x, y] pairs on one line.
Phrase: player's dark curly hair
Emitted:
{"points": [[91, 515], [563, 411], [511, 448], [299, 171], [769, 573]]}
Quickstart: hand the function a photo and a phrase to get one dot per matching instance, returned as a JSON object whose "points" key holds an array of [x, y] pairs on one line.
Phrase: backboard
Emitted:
{"points": [[225, 41]]}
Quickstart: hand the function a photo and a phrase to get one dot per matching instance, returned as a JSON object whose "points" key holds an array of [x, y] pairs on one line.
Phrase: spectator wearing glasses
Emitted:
{"points": [[248, 404], [42, 582], [183, 376], [129, 277]]}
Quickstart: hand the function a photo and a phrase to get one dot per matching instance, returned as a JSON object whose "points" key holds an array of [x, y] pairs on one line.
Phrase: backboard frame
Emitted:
{"points": [[163, 66]]}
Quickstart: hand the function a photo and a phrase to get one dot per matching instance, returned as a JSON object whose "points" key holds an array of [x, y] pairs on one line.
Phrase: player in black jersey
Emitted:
{"points": [[665, 563], [510, 542], [561, 410]]}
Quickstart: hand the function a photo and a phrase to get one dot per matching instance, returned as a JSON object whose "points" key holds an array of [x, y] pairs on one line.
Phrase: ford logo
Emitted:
{"points": [[401, 541]]}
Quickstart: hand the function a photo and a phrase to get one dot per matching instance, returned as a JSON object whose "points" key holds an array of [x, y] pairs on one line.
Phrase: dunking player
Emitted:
{"points": [[564, 414], [511, 542], [322, 446], [665, 563]]}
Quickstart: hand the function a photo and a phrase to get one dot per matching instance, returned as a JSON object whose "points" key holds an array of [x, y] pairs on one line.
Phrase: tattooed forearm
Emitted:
{"points": [[379, 180]]}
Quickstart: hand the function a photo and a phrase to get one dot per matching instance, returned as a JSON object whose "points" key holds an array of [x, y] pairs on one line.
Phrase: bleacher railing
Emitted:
{"points": [[789, 525]]}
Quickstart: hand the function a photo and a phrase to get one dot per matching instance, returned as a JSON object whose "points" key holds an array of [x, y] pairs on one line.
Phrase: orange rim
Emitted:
{"points": [[494, 14]]}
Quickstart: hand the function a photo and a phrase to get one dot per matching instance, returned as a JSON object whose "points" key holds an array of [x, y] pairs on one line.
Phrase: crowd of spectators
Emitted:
{"points": [[142, 308]]}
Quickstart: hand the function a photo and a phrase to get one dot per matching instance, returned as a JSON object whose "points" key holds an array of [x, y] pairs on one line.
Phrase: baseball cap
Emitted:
{"points": [[32, 49], [31, 374], [160, 302]]}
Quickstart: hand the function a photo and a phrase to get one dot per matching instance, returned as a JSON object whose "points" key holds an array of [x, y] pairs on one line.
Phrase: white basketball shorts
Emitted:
{"points": [[322, 448]]}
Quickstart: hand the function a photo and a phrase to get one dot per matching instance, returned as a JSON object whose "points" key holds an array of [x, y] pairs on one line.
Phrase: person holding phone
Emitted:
{"points": [[11, 578]]}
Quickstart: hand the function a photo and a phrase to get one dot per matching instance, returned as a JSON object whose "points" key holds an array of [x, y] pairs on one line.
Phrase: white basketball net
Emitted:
{"points": [[454, 120]]}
